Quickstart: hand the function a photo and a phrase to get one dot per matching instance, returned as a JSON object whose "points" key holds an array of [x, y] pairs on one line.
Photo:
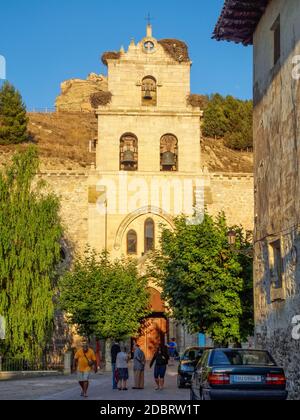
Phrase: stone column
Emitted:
{"points": [[67, 363], [108, 344]]}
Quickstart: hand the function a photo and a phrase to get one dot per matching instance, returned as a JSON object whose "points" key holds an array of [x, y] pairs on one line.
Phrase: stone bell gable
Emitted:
{"points": [[162, 66], [149, 115]]}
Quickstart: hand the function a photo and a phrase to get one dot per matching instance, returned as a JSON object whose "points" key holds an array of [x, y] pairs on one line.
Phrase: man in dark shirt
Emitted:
{"points": [[115, 349]]}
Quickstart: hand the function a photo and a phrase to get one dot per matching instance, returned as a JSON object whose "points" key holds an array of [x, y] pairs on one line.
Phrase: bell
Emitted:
{"points": [[168, 159], [128, 158], [147, 95]]}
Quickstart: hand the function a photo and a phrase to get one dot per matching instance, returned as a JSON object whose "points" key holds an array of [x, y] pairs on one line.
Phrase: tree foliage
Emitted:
{"points": [[13, 117], [30, 233], [205, 282], [104, 298], [231, 119]]}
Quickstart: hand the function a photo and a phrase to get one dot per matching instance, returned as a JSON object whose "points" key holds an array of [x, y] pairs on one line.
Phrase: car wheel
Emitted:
{"points": [[180, 384], [192, 395]]}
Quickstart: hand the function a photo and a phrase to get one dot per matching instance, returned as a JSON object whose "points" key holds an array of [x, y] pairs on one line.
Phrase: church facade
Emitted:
{"points": [[148, 168], [148, 158], [148, 150]]}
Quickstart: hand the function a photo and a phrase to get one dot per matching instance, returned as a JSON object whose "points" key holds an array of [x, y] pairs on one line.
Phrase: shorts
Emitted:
{"points": [[83, 376], [160, 372], [123, 374]]}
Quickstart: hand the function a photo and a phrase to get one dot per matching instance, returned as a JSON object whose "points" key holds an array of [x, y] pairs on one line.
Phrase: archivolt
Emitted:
{"points": [[135, 215]]}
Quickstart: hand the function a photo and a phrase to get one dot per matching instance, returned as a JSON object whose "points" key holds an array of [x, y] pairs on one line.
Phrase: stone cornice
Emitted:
{"points": [[148, 113], [93, 172], [61, 173]]}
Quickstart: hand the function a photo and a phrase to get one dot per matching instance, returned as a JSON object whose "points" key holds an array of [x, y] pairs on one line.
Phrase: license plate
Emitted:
{"points": [[246, 379]]}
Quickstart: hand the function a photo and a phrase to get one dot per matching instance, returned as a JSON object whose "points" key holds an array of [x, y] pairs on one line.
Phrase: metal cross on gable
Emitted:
{"points": [[149, 19]]}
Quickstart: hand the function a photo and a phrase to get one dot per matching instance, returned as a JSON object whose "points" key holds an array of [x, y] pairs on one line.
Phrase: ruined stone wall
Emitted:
{"points": [[277, 186], [75, 93]]}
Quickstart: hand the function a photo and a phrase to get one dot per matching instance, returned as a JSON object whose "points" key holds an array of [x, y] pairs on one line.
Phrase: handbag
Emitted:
{"points": [[90, 362], [117, 376]]}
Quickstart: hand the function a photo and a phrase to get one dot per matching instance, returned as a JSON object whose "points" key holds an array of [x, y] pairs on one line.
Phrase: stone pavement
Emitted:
{"points": [[66, 388]]}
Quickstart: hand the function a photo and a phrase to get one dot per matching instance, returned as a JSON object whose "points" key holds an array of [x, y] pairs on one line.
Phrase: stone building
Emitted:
{"points": [[148, 157], [273, 27], [148, 166]]}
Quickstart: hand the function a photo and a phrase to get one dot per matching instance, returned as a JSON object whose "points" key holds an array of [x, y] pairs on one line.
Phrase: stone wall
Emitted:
{"points": [[233, 194], [223, 192], [277, 187], [72, 190]]}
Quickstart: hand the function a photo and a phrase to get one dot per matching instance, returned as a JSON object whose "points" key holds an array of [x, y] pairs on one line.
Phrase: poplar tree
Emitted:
{"points": [[30, 233], [13, 117]]}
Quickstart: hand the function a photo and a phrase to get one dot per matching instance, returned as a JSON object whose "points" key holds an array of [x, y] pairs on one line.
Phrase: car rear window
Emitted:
{"points": [[240, 358], [193, 354]]}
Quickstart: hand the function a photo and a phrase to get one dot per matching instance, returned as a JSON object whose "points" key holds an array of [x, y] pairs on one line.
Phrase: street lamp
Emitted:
{"points": [[232, 236]]}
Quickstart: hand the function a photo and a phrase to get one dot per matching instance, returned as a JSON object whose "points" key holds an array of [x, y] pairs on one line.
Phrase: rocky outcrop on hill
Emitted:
{"points": [[76, 93]]}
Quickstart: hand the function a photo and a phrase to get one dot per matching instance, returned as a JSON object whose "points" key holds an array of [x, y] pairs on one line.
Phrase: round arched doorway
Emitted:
{"points": [[155, 327]]}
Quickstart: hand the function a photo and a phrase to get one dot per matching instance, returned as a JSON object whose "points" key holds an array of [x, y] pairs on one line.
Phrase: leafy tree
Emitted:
{"points": [[13, 117], [30, 233], [104, 298], [215, 123], [204, 281], [229, 118]]}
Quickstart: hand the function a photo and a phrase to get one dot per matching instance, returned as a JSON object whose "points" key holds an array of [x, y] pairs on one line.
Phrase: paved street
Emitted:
{"points": [[66, 388]]}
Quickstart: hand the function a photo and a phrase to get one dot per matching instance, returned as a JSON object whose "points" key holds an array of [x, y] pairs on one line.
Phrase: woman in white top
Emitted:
{"points": [[122, 369]]}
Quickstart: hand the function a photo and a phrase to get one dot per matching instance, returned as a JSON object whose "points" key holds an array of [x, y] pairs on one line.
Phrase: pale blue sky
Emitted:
{"points": [[47, 41]]}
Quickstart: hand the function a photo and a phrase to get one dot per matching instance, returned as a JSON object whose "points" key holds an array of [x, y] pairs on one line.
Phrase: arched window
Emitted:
{"points": [[149, 235], [149, 91], [129, 152], [132, 242], [169, 153]]}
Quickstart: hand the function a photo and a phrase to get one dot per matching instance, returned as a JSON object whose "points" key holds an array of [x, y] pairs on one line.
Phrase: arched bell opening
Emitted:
{"points": [[169, 153], [129, 152], [149, 91]]}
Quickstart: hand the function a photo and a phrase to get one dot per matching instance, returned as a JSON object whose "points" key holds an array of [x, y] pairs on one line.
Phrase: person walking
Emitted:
{"points": [[122, 369], [115, 349], [161, 360], [172, 347], [139, 361], [84, 363]]}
